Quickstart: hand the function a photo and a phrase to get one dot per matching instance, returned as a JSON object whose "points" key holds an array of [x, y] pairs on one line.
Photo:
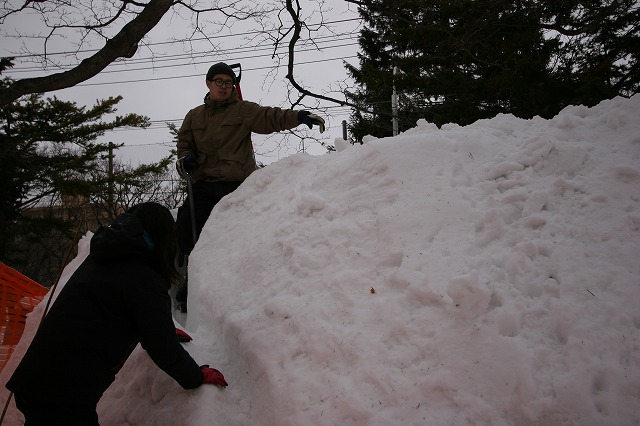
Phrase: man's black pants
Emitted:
{"points": [[205, 196]]}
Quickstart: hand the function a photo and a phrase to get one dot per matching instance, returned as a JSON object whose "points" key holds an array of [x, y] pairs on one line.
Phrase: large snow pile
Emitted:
{"points": [[484, 275]]}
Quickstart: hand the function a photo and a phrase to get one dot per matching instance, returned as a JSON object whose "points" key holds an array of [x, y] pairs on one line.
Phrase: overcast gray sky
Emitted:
{"points": [[163, 81]]}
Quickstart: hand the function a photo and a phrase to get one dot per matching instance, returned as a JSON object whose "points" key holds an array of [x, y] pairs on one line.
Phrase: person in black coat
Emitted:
{"points": [[118, 297]]}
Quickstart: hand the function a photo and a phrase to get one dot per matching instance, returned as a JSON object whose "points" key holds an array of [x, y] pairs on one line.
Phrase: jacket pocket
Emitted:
{"points": [[232, 167], [232, 121]]}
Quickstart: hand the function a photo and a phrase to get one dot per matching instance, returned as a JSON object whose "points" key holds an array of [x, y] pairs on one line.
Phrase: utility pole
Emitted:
{"points": [[394, 103], [110, 181], [344, 130]]}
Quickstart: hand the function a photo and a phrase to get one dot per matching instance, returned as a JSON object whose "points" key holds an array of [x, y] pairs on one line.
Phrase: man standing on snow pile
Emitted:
{"points": [[215, 151]]}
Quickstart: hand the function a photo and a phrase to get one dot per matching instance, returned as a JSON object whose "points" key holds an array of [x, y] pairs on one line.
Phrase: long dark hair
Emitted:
{"points": [[158, 223]]}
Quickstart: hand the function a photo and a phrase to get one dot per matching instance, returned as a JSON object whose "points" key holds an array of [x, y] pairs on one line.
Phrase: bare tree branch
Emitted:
{"points": [[123, 44], [294, 12]]}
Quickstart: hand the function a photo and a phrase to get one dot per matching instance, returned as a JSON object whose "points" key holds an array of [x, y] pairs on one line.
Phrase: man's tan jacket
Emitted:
{"points": [[218, 134]]}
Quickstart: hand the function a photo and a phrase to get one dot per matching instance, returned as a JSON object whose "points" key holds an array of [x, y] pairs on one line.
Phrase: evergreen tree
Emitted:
{"points": [[54, 175], [462, 60]]}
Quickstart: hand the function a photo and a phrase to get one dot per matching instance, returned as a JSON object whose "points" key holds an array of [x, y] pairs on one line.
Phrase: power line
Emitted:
{"points": [[336, 110], [200, 75], [232, 60], [248, 33], [320, 44]]}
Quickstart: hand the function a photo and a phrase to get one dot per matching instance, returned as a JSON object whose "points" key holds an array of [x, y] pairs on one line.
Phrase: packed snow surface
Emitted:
{"points": [[478, 275]]}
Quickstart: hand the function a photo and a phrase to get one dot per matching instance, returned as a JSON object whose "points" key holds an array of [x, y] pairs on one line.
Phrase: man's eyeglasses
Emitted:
{"points": [[223, 83]]}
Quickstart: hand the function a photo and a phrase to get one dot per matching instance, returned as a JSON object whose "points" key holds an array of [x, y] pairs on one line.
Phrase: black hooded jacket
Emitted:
{"points": [[113, 301]]}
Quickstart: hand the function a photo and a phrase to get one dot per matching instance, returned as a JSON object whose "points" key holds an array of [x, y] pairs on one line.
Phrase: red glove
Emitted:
{"points": [[182, 336], [213, 377]]}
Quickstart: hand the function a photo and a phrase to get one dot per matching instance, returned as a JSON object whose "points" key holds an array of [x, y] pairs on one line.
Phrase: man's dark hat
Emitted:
{"points": [[220, 68]]}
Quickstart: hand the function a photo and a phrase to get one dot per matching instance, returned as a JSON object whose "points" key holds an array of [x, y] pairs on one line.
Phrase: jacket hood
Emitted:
{"points": [[124, 238]]}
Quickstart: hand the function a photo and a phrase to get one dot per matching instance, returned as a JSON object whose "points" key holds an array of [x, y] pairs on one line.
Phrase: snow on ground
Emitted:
{"points": [[478, 275]]}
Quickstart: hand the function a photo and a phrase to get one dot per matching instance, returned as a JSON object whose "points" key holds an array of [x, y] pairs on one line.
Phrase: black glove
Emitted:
{"points": [[305, 117], [186, 165]]}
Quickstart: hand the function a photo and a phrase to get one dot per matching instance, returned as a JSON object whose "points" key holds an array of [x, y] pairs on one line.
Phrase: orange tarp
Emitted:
{"points": [[18, 296]]}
